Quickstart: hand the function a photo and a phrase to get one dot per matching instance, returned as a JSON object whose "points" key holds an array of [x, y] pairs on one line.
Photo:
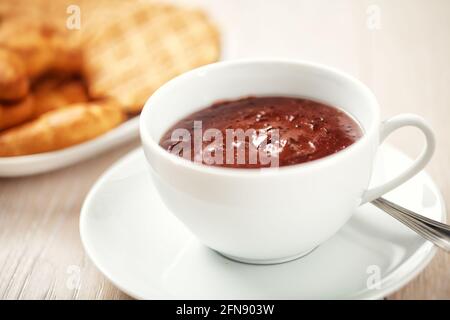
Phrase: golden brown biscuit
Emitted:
{"points": [[13, 78], [61, 128], [53, 93], [12, 114]]}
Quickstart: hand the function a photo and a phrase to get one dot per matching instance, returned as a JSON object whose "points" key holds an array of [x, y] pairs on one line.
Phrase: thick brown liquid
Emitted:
{"points": [[308, 130]]}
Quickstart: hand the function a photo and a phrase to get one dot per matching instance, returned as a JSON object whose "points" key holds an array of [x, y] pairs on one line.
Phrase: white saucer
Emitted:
{"points": [[144, 250]]}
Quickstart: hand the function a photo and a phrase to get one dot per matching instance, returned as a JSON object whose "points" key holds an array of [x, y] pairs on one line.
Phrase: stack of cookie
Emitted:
{"points": [[61, 86]]}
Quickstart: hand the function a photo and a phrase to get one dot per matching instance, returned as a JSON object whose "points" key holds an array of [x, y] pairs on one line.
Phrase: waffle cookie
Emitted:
{"points": [[134, 54]]}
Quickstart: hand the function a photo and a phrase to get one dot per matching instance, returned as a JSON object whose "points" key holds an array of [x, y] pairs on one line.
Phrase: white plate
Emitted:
{"points": [[43, 162], [143, 249]]}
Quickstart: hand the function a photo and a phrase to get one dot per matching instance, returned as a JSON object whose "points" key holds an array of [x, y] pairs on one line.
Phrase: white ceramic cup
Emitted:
{"points": [[276, 214]]}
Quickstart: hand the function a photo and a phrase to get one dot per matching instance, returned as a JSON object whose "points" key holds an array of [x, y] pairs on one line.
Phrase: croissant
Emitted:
{"points": [[42, 47], [55, 93], [12, 114], [13, 76], [61, 128]]}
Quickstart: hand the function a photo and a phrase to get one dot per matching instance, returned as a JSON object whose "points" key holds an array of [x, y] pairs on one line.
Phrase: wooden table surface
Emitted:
{"points": [[401, 49]]}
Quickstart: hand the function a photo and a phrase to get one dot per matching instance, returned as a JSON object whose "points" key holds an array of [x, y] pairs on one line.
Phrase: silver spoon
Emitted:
{"points": [[436, 232]]}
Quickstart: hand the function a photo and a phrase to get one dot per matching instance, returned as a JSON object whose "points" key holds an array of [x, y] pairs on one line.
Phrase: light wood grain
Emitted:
{"points": [[40, 245], [406, 63]]}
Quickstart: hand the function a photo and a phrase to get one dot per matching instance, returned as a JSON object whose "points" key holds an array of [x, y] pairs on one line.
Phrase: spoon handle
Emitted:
{"points": [[434, 231]]}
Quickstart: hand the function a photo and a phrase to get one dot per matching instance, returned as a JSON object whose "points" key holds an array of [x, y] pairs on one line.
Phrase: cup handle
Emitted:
{"points": [[387, 127]]}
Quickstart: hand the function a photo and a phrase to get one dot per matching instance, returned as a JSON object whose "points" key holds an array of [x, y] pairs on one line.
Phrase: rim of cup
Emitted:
{"points": [[148, 140]]}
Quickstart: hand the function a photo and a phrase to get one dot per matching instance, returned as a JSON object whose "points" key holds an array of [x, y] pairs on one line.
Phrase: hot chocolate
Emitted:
{"points": [[294, 130]]}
